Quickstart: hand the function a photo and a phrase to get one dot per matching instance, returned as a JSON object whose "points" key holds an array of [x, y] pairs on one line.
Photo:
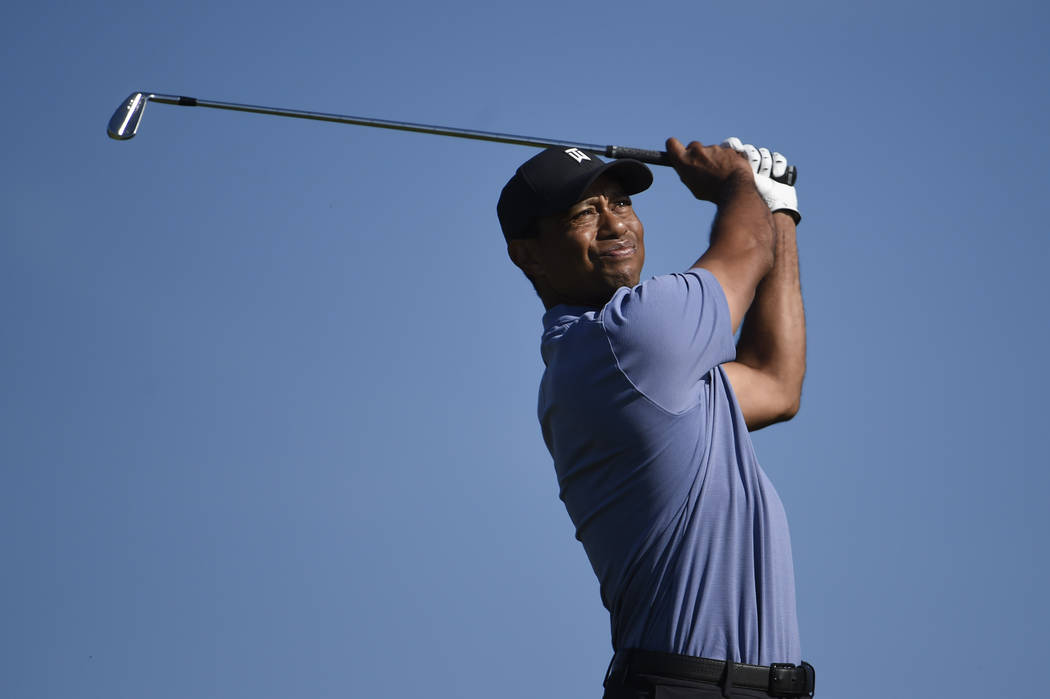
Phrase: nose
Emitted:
{"points": [[609, 224]]}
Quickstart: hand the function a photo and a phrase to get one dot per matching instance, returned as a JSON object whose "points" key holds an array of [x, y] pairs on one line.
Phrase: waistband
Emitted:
{"points": [[777, 680]]}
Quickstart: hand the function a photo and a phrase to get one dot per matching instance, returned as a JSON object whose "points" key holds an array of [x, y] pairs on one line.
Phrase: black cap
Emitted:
{"points": [[554, 180]]}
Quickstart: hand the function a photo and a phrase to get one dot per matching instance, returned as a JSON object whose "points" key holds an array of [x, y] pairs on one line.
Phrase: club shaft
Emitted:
{"points": [[378, 123], [124, 124]]}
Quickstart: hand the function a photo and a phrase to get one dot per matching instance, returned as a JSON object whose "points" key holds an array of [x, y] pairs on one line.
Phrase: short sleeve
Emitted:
{"points": [[668, 333]]}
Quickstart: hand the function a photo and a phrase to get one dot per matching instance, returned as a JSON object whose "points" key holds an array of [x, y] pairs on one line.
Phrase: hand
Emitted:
{"points": [[765, 166], [709, 172]]}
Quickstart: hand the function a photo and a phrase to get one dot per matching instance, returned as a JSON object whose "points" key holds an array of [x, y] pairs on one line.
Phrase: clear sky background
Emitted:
{"points": [[269, 386]]}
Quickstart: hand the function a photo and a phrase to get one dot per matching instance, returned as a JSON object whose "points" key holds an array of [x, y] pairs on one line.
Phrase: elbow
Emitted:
{"points": [[791, 397], [773, 418], [789, 403], [790, 409], [782, 409]]}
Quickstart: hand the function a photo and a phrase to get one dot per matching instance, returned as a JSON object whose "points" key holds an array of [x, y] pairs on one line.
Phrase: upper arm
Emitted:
{"points": [[762, 397], [668, 333], [741, 249], [738, 268]]}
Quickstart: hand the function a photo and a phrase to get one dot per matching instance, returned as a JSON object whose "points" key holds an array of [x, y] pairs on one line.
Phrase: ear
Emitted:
{"points": [[524, 253]]}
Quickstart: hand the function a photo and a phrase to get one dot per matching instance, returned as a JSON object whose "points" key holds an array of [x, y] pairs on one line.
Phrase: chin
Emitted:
{"points": [[628, 279], [602, 296]]}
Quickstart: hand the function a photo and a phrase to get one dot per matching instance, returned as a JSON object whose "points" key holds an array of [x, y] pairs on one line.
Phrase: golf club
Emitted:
{"points": [[125, 123]]}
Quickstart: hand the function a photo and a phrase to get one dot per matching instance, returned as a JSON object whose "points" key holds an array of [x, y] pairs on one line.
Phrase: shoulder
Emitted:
{"points": [[666, 299], [667, 333]]}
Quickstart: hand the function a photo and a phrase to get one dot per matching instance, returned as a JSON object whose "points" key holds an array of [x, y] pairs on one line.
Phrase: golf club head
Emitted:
{"points": [[125, 121]]}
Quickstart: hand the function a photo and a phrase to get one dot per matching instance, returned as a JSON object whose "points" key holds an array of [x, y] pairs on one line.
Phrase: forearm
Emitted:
{"points": [[743, 222], [773, 338], [741, 250]]}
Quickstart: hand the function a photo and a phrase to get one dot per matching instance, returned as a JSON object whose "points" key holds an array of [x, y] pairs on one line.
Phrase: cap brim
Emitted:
{"points": [[634, 175]]}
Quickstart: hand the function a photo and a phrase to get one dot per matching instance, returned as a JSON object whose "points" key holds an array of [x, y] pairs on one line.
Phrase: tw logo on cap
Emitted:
{"points": [[577, 155]]}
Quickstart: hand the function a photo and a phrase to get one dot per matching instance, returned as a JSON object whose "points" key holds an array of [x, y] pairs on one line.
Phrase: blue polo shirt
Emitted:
{"points": [[655, 465]]}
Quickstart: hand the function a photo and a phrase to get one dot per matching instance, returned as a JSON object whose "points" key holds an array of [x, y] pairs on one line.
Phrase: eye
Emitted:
{"points": [[622, 202], [582, 213]]}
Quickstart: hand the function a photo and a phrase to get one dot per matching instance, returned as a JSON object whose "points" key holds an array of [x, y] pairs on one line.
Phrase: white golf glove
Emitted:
{"points": [[766, 166]]}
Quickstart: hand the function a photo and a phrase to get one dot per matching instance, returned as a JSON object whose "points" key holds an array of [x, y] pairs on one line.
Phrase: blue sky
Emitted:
{"points": [[269, 385]]}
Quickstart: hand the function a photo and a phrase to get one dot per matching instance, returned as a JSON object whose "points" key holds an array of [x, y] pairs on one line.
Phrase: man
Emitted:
{"points": [[645, 406]]}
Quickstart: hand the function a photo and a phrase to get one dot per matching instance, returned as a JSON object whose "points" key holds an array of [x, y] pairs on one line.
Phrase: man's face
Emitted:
{"points": [[589, 251]]}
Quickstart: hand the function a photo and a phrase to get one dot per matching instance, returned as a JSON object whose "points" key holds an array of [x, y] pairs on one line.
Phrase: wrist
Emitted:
{"points": [[739, 183]]}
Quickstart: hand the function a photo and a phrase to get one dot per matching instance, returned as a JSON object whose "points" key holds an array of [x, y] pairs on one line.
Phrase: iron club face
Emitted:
{"points": [[125, 121]]}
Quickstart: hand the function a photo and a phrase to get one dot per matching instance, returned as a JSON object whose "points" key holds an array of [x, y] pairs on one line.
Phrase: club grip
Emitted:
{"points": [[659, 157], [653, 157]]}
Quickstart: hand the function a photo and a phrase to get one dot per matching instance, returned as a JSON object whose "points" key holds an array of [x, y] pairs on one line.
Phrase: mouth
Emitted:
{"points": [[618, 251]]}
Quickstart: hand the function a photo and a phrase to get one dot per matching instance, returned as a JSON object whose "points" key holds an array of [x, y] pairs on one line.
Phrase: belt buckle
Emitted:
{"points": [[790, 680]]}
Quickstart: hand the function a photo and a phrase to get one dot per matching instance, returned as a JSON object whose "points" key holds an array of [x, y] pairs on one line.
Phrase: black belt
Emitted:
{"points": [[777, 680]]}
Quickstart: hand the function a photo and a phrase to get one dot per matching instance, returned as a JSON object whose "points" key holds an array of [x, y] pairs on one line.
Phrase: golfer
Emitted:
{"points": [[646, 405]]}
